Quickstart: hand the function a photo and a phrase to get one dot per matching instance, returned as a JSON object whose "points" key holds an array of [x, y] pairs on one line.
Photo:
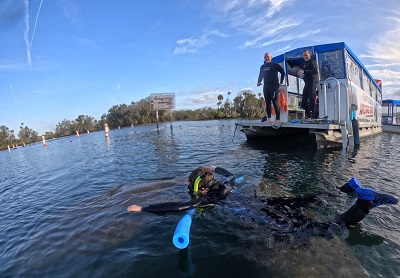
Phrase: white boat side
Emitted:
{"points": [[349, 99]]}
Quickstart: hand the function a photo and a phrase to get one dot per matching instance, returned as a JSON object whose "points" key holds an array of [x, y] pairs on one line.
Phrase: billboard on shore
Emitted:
{"points": [[164, 101]]}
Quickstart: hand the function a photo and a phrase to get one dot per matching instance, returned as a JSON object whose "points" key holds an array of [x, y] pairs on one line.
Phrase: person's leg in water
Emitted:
{"points": [[289, 211], [367, 199]]}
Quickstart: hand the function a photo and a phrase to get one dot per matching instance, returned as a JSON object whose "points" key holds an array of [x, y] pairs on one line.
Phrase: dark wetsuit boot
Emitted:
{"points": [[357, 212]]}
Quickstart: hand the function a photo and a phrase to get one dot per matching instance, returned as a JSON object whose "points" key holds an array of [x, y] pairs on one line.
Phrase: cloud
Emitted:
{"points": [[292, 37], [386, 55], [387, 49], [202, 97], [192, 45], [258, 19], [275, 7]]}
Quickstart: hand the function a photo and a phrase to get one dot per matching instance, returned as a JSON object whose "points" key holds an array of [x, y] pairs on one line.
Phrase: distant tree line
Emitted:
{"points": [[244, 105]]}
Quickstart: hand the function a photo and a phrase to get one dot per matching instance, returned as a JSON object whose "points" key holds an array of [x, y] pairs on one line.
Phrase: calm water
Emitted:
{"points": [[63, 207]]}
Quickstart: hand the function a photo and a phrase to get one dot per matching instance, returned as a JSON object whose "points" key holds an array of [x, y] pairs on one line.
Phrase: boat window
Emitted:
{"points": [[379, 97], [301, 85], [374, 93], [331, 64], [293, 87], [292, 68], [366, 82], [371, 86], [354, 70], [386, 118]]}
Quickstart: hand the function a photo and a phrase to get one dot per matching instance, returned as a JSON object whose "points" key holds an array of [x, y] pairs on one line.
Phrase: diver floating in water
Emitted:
{"points": [[283, 213], [203, 188]]}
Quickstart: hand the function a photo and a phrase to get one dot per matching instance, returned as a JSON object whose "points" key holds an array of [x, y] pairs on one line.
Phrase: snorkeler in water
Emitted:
{"points": [[284, 214], [287, 213], [203, 188]]}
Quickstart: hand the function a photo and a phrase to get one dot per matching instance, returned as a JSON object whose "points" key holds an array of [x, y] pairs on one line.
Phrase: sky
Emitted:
{"points": [[63, 58]]}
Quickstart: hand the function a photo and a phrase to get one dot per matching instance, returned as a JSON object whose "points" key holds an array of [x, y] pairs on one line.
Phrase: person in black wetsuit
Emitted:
{"points": [[269, 72], [203, 188], [283, 214], [287, 213], [310, 77]]}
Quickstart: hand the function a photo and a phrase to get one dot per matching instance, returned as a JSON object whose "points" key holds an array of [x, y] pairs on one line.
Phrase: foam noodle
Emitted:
{"points": [[182, 231], [239, 179]]}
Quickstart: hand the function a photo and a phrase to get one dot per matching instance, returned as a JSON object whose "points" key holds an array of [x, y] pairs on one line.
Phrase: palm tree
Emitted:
{"points": [[22, 135], [220, 98]]}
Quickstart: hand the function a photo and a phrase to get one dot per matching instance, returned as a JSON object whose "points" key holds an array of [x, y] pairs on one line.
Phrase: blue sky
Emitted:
{"points": [[63, 58]]}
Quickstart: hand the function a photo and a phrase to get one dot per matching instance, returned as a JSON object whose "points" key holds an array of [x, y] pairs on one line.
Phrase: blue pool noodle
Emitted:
{"points": [[182, 231]]}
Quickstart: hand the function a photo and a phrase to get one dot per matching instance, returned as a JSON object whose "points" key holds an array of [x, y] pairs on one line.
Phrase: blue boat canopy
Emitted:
{"points": [[294, 58], [387, 101]]}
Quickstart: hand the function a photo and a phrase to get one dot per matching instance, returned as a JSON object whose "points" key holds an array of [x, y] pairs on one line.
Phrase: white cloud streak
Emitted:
{"points": [[202, 97], [12, 92], [34, 28], [28, 41], [256, 18], [387, 50], [26, 35], [261, 20], [192, 45]]}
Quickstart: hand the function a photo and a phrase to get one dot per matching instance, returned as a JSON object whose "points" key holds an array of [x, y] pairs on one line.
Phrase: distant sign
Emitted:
{"points": [[162, 101]]}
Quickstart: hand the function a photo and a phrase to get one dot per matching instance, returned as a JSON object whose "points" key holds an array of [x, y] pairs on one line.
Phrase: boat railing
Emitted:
{"points": [[336, 98]]}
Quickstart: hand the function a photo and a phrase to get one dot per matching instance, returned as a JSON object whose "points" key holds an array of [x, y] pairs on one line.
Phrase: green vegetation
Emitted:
{"points": [[244, 105]]}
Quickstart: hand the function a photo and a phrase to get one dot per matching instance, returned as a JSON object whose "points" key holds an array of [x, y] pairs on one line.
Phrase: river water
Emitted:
{"points": [[63, 207]]}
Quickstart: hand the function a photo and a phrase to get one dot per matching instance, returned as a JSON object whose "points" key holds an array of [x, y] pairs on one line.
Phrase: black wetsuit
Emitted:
{"points": [[287, 213], [269, 72], [217, 191], [310, 86]]}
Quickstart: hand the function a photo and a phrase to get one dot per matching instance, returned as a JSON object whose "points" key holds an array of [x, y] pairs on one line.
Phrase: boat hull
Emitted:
{"points": [[391, 128], [326, 134]]}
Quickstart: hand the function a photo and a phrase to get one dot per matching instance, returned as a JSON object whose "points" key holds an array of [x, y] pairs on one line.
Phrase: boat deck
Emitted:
{"points": [[326, 133]]}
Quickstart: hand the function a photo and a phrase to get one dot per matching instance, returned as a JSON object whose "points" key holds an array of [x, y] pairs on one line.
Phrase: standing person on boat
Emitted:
{"points": [[203, 188], [269, 72], [310, 77]]}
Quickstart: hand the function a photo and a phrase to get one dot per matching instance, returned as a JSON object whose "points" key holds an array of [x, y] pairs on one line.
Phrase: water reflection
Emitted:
{"points": [[358, 236], [64, 206]]}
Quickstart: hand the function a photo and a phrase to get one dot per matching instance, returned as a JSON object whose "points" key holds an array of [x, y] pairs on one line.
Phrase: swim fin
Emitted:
{"points": [[368, 194]]}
